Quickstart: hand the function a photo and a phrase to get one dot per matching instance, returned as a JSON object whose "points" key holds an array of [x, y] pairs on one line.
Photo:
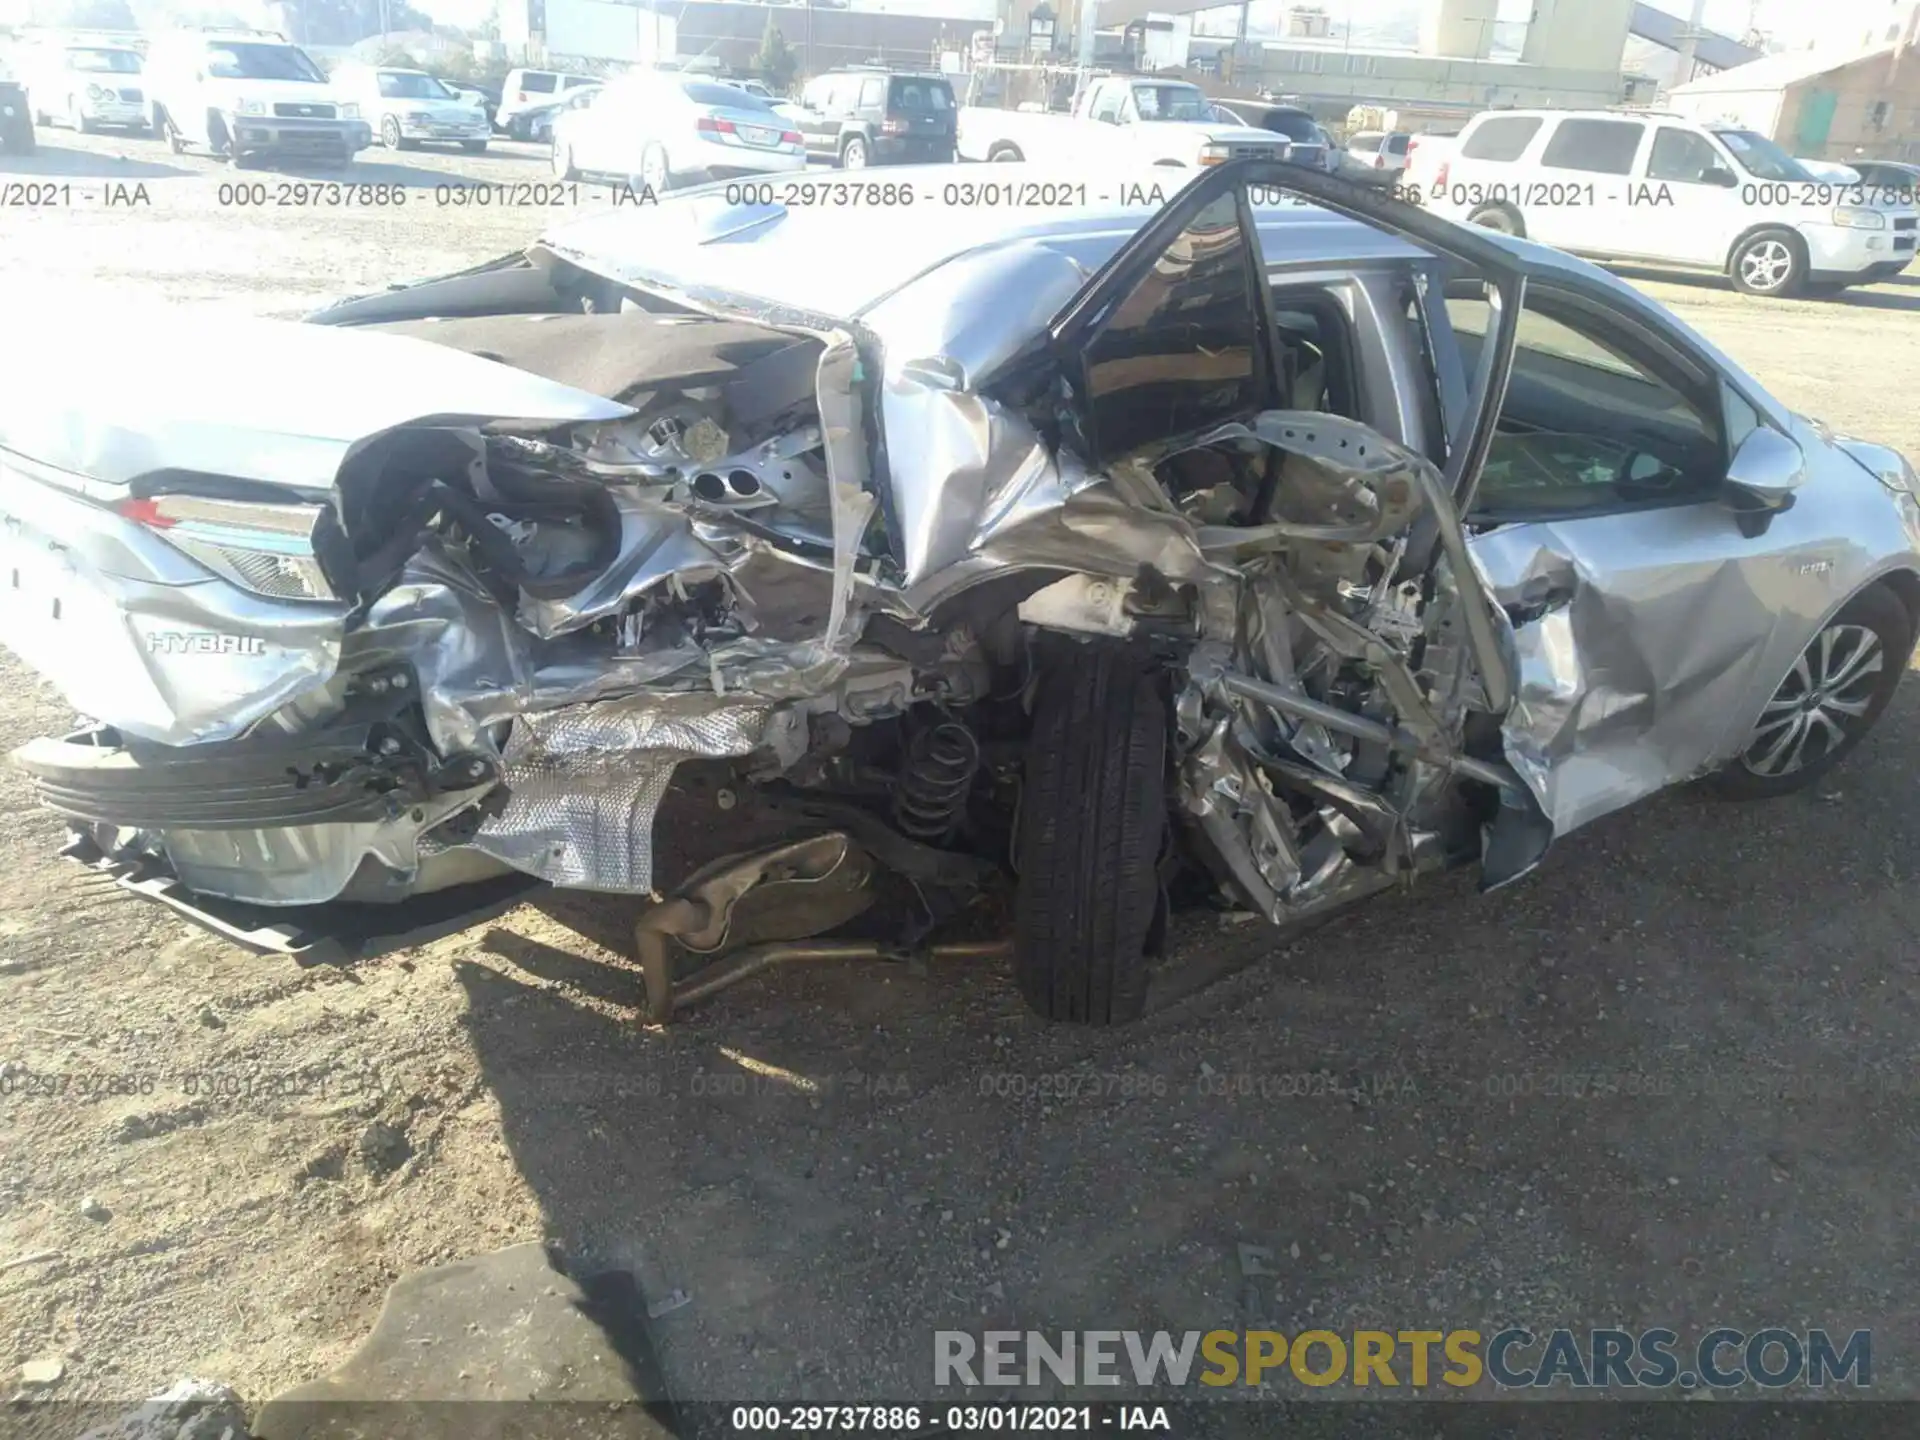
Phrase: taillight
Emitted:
{"points": [[791, 137], [893, 125], [1440, 175], [264, 548], [521, 96]]}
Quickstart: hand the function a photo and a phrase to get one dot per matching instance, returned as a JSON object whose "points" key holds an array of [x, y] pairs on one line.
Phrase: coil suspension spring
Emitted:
{"points": [[935, 781]]}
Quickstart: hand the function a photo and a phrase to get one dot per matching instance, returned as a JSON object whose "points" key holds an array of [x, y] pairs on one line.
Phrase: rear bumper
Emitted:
{"points": [[367, 771], [730, 162], [912, 150], [311, 934]]}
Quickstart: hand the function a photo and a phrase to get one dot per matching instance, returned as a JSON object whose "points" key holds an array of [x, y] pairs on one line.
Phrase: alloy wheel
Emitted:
{"points": [[1766, 265], [1827, 694]]}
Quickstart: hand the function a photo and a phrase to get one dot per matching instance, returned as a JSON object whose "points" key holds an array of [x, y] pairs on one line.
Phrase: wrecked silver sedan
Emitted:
{"points": [[1267, 549]]}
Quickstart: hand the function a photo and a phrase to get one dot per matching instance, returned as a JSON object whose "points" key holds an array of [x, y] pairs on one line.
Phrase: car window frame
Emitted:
{"points": [[1698, 381], [1662, 127], [1561, 128], [1538, 122]]}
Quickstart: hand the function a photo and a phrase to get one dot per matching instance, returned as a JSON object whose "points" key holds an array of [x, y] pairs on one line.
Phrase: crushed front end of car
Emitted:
{"points": [[627, 601]]}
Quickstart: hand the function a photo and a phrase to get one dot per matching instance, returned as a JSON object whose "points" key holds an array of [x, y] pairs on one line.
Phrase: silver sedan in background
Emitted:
{"points": [[663, 130]]}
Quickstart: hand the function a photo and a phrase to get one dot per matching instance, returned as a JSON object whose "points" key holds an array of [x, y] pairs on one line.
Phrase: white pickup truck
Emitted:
{"points": [[1118, 120]]}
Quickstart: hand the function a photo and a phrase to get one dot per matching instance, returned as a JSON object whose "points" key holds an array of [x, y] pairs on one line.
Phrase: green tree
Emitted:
{"points": [[775, 62]]}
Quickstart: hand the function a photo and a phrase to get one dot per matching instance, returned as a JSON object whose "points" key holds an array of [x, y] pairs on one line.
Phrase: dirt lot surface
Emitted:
{"points": [[221, 1162]]}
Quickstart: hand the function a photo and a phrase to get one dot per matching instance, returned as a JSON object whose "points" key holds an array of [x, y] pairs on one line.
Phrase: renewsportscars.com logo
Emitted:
{"points": [[1514, 1358]]}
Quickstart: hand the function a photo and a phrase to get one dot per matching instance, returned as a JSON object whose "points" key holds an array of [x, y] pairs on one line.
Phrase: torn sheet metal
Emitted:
{"points": [[583, 784], [1642, 640]]}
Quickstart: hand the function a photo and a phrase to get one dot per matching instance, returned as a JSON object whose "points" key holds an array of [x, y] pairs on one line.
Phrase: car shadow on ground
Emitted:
{"points": [[369, 167], [55, 162], [1589, 1085], [1880, 296]]}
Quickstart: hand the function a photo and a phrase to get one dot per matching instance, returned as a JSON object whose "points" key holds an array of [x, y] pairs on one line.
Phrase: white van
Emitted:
{"points": [[249, 95], [525, 91], [1650, 188]]}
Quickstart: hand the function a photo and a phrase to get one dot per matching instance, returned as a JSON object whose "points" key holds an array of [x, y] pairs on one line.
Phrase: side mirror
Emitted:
{"points": [[1766, 471], [1718, 175]]}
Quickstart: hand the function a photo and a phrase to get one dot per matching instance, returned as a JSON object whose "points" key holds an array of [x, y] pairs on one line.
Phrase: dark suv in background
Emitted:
{"points": [[857, 118]]}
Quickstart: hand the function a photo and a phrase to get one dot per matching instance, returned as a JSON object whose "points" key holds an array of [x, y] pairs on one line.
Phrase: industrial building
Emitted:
{"points": [[727, 35], [1821, 104]]}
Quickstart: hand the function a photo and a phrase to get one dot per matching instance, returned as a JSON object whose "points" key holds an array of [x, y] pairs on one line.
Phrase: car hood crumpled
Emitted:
{"points": [[277, 401]]}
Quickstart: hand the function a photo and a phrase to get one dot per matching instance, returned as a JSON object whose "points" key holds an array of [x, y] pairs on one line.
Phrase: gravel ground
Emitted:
{"points": [[837, 1162]]}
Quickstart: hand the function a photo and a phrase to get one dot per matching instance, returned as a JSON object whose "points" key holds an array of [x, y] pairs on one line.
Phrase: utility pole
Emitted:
{"points": [[1690, 40], [1084, 61]]}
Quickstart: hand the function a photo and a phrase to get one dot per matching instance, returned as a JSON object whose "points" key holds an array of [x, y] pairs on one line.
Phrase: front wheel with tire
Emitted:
{"points": [[77, 116], [1005, 155], [16, 134], [1771, 263], [563, 165], [1093, 819], [164, 128], [1829, 700], [474, 147], [853, 154]]}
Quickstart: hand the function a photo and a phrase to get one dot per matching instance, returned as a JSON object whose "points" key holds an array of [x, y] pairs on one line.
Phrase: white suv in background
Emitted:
{"points": [[1649, 188], [249, 95]]}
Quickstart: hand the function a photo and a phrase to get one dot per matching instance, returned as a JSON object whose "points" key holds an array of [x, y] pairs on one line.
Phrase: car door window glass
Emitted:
{"points": [[1682, 155], [1602, 147], [1587, 426], [1106, 103], [1178, 353], [1503, 139]]}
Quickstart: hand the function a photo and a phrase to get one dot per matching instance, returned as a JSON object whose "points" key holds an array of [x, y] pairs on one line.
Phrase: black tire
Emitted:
{"points": [[474, 147], [853, 153], [163, 127], [1877, 612], [1772, 253], [1500, 219], [1093, 817], [1005, 154], [77, 117], [18, 138], [656, 175]]}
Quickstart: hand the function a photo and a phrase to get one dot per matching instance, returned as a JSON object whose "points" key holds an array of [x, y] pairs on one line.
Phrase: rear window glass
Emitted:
{"points": [[539, 84], [1294, 127], [1397, 145], [1604, 147], [1503, 139], [921, 95], [703, 93], [574, 82]]}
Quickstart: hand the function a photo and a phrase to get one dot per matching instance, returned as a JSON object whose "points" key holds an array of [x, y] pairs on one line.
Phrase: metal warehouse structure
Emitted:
{"points": [[1823, 104]]}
